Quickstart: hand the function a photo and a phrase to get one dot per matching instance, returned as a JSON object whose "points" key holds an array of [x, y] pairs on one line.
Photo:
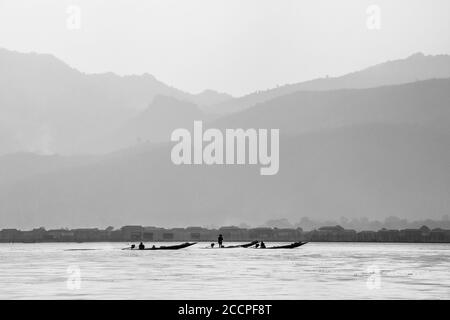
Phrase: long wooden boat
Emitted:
{"points": [[288, 246], [174, 247], [245, 245]]}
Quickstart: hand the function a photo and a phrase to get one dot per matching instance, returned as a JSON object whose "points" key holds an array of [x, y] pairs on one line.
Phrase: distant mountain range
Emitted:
{"points": [[48, 107], [414, 68], [371, 171], [374, 152], [425, 103], [372, 143], [152, 125]]}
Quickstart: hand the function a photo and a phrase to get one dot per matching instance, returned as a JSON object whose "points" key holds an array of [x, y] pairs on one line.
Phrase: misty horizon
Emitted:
{"points": [[230, 46], [363, 125], [305, 223], [224, 149], [379, 111], [208, 89]]}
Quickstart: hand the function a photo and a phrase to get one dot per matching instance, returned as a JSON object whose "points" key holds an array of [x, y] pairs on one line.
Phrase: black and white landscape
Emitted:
{"points": [[372, 143], [91, 93]]}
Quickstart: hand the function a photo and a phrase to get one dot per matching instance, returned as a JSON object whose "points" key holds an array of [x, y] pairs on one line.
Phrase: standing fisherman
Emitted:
{"points": [[220, 241]]}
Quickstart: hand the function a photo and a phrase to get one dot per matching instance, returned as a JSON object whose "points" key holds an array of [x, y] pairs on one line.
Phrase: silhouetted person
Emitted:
{"points": [[263, 245], [220, 241], [257, 245], [141, 246], [212, 245], [133, 246]]}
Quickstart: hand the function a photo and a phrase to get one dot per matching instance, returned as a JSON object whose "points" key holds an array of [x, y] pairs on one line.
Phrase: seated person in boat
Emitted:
{"points": [[141, 246], [263, 245]]}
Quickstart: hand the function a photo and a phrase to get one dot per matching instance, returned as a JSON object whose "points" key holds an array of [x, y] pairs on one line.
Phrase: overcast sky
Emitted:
{"points": [[234, 46]]}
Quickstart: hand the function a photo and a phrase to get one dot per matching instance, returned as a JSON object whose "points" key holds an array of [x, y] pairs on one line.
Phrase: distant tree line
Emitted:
{"points": [[232, 233], [361, 224]]}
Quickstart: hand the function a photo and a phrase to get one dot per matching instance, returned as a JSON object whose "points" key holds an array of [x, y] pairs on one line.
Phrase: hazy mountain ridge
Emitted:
{"points": [[153, 125], [374, 170], [393, 165], [28, 68], [21, 166], [378, 152], [424, 103], [209, 97], [46, 106], [413, 68]]}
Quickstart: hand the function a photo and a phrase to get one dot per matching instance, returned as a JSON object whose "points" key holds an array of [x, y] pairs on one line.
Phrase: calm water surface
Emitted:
{"points": [[314, 271]]}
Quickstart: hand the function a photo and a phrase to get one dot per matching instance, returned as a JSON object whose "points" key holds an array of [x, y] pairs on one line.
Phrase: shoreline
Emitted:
{"points": [[136, 233], [230, 241]]}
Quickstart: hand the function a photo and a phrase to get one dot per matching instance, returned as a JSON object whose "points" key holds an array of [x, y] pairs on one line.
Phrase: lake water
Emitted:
{"points": [[313, 271]]}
